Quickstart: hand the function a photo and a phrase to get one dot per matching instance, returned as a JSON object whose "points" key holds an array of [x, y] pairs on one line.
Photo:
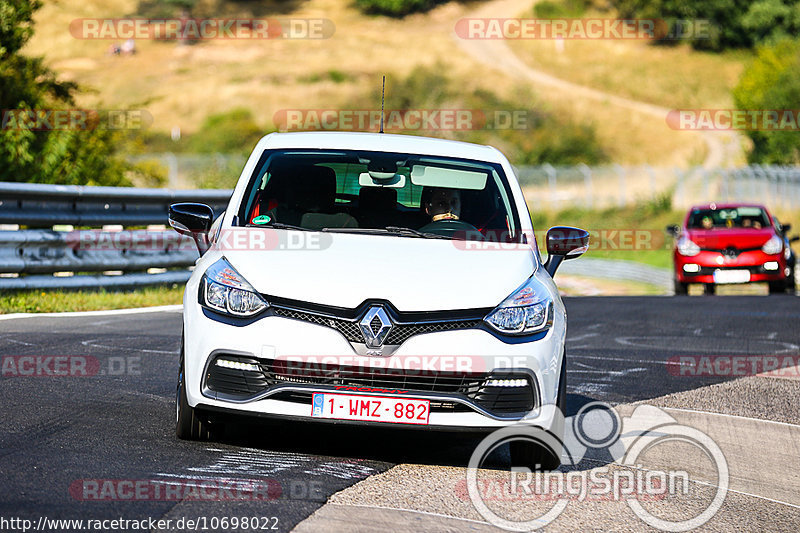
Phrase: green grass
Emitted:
{"points": [[63, 301], [650, 219], [615, 230]]}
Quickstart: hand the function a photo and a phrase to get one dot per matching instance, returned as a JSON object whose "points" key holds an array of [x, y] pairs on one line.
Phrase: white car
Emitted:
{"points": [[377, 279]]}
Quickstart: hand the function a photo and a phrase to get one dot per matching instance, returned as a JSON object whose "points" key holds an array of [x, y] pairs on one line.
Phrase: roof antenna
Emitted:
{"points": [[383, 90]]}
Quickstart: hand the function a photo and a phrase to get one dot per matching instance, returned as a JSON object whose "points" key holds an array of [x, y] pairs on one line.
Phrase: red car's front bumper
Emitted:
{"points": [[701, 267]]}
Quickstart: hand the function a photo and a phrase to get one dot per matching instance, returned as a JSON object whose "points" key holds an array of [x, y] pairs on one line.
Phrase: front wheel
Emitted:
{"points": [[778, 287], [189, 423], [681, 289], [539, 457], [709, 289]]}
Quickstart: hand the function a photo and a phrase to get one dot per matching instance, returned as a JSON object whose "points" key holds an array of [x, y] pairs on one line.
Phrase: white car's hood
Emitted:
{"points": [[414, 274]]}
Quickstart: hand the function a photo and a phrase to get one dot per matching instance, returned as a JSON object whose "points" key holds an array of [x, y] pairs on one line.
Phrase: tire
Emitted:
{"points": [[681, 289], [779, 287], [540, 458], [189, 423], [709, 289]]}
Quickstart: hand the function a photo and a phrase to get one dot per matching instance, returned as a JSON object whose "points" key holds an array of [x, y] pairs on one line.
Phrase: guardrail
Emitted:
{"points": [[110, 256]]}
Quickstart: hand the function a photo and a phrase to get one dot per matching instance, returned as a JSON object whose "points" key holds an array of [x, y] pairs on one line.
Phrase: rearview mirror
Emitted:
{"points": [[194, 220], [564, 242]]}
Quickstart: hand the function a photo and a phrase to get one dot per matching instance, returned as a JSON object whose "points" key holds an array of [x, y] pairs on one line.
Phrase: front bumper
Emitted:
{"points": [[272, 339], [707, 262]]}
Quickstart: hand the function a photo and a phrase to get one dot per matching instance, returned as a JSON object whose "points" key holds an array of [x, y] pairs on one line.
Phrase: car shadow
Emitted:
{"points": [[391, 445]]}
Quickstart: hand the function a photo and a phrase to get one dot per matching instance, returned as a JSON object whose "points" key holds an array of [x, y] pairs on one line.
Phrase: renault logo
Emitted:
{"points": [[375, 326]]}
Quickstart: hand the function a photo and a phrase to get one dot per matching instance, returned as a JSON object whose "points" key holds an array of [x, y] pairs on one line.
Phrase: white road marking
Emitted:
{"points": [[341, 470], [253, 463], [632, 341], [621, 359], [439, 515], [92, 343], [729, 416], [584, 336], [137, 310], [12, 341]]}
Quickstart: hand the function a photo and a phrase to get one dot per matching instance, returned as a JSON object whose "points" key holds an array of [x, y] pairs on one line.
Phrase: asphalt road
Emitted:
{"points": [[114, 428]]}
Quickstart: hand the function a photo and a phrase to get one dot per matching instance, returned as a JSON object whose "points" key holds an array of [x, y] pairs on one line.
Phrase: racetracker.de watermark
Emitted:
{"points": [[175, 489], [74, 366], [734, 119], [787, 366], [199, 29], [75, 119], [622, 239], [404, 119], [231, 239], [581, 29], [304, 366]]}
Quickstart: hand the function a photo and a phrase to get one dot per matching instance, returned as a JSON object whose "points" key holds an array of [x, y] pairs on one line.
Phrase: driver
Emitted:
{"points": [[443, 204]]}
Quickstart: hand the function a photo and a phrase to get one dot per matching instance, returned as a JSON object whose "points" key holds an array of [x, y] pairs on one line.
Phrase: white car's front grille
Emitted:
{"points": [[474, 387]]}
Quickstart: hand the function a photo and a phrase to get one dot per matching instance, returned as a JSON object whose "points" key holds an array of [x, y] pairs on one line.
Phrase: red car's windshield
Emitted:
{"points": [[735, 217]]}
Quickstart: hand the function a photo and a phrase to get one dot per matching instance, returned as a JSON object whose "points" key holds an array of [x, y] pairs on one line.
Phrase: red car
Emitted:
{"points": [[732, 243]]}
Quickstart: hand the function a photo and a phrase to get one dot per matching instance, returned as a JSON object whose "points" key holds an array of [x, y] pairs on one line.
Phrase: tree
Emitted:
{"points": [[734, 23], [46, 156], [772, 82]]}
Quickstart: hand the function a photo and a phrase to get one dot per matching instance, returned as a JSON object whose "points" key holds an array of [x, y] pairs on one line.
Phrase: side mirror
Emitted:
{"points": [[673, 230], [786, 228], [564, 242], [194, 220]]}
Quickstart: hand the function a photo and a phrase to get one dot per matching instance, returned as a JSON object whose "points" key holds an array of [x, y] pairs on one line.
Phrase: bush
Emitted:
{"points": [[546, 137], [550, 9], [772, 82], [734, 23], [231, 132], [47, 156], [395, 8]]}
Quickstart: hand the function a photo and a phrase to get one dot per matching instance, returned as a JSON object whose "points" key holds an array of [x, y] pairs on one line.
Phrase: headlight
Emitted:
{"points": [[224, 290], [528, 310], [772, 246], [687, 247]]}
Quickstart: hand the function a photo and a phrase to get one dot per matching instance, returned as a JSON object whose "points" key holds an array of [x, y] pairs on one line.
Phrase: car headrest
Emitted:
{"points": [[377, 199], [315, 189]]}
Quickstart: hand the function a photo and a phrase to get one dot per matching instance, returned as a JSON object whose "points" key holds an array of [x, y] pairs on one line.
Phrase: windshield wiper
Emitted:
{"points": [[416, 233], [279, 225], [391, 230]]}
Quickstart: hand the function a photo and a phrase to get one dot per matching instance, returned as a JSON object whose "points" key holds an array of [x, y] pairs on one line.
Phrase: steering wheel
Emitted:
{"points": [[448, 227]]}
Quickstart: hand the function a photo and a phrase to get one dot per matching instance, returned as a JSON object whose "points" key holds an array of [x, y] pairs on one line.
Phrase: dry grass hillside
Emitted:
{"points": [[180, 85]]}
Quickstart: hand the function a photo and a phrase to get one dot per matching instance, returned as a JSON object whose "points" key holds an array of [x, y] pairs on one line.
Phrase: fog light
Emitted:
{"points": [[691, 267], [238, 365], [771, 265], [507, 383]]}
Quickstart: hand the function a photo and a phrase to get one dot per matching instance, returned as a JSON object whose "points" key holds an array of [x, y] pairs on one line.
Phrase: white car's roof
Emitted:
{"points": [[387, 142]]}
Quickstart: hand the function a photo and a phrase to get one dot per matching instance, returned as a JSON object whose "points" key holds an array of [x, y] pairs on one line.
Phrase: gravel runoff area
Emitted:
{"points": [[767, 398], [438, 491], [441, 491]]}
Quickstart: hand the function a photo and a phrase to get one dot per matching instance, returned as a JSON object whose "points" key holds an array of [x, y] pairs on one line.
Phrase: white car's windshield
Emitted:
{"points": [[380, 193]]}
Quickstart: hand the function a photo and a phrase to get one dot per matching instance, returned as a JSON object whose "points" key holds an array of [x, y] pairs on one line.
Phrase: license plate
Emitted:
{"points": [[370, 408], [731, 276]]}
